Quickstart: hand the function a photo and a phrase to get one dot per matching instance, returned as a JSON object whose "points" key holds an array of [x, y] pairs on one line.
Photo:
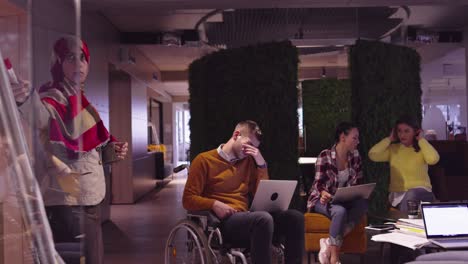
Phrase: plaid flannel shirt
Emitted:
{"points": [[326, 174]]}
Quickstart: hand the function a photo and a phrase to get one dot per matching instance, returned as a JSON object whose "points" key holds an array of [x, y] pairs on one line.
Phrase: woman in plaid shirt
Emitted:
{"points": [[339, 166]]}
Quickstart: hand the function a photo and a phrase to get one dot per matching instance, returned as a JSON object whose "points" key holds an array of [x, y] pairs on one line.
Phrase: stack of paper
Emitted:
{"points": [[419, 223], [409, 241], [411, 227]]}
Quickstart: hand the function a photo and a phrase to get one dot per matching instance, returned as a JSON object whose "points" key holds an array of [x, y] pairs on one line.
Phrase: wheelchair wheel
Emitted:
{"points": [[187, 243]]}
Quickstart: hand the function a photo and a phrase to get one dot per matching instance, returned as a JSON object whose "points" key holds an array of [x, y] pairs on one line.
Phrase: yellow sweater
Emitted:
{"points": [[408, 168], [213, 178]]}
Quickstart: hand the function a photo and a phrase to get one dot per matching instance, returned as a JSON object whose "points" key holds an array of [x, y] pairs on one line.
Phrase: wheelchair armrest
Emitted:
{"points": [[179, 168], [212, 219]]}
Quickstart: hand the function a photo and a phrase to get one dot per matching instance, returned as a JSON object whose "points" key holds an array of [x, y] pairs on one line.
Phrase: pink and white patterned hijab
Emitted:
{"points": [[74, 122]]}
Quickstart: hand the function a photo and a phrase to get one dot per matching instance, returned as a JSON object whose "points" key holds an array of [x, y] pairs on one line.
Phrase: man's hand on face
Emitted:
{"points": [[222, 210], [255, 153]]}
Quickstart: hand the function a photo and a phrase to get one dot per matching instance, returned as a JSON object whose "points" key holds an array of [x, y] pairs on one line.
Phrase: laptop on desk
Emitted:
{"points": [[273, 195], [446, 224]]}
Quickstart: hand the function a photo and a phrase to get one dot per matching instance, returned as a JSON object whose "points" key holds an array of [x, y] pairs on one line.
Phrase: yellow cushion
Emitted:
{"points": [[316, 223], [317, 226]]}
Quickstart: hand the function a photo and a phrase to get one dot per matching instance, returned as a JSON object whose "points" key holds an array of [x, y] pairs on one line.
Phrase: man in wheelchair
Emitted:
{"points": [[223, 179]]}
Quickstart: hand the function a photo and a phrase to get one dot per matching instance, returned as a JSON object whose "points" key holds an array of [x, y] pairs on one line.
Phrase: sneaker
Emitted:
{"points": [[324, 253]]}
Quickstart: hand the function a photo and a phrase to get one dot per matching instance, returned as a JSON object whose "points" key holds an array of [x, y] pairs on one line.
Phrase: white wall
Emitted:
{"points": [[443, 87], [139, 119]]}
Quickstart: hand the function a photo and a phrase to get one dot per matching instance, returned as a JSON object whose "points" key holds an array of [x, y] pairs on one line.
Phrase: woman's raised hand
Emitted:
{"points": [[392, 136]]}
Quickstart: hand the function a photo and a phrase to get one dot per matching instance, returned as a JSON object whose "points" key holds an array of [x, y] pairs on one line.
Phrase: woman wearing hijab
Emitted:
{"points": [[76, 136]]}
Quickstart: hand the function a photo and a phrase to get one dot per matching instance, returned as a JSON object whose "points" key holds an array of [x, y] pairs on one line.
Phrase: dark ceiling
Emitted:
{"points": [[248, 26]]}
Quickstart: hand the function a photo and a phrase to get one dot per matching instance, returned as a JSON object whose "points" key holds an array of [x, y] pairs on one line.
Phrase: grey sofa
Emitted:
{"points": [[449, 257]]}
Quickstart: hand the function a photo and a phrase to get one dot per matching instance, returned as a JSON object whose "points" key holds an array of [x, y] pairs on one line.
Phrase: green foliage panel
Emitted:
{"points": [[254, 82], [385, 83], [325, 102]]}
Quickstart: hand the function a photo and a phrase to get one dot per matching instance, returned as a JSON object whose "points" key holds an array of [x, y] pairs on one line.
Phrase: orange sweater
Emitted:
{"points": [[213, 178]]}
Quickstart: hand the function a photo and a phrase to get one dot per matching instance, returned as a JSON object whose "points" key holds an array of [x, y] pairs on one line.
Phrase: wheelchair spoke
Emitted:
{"points": [[187, 244]]}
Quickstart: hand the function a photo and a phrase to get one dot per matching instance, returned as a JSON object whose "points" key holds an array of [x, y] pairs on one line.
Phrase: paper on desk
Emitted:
{"points": [[411, 231], [413, 222], [401, 239], [379, 229]]}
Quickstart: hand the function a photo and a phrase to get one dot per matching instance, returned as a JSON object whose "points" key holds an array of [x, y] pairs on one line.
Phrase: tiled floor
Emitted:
{"points": [[137, 233]]}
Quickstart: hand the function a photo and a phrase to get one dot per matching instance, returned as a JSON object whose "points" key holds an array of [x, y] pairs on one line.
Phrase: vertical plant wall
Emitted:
{"points": [[325, 103], [385, 83], [256, 83]]}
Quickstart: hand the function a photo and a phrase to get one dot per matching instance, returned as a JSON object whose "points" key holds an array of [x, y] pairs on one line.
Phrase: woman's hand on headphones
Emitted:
{"points": [[419, 134], [392, 135]]}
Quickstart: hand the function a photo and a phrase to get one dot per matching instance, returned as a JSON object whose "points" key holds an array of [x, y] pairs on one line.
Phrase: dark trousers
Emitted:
{"points": [[80, 224], [258, 229]]}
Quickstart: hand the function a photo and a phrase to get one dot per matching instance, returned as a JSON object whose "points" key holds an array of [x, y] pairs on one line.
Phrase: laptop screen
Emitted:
{"points": [[445, 220]]}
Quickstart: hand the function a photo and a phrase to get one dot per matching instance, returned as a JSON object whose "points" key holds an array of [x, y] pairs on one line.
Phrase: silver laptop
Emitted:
{"points": [[446, 224], [273, 195], [346, 194]]}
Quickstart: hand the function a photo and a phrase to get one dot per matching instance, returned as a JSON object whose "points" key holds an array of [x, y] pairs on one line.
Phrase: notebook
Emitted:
{"points": [[446, 224]]}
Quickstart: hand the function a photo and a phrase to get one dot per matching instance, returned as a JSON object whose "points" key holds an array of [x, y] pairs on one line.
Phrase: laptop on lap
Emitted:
{"points": [[273, 195], [446, 224], [346, 194]]}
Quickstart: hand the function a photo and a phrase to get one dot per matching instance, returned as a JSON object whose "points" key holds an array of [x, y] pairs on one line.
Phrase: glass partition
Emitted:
{"points": [[32, 173]]}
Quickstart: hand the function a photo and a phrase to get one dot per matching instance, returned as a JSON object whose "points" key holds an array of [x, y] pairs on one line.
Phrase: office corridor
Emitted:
{"points": [[137, 233]]}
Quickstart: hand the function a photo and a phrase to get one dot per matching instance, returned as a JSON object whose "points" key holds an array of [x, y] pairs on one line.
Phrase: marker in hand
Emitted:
{"points": [[21, 89], [10, 71]]}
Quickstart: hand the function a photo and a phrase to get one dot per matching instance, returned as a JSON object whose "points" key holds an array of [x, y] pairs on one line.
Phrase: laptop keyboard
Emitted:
{"points": [[453, 243]]}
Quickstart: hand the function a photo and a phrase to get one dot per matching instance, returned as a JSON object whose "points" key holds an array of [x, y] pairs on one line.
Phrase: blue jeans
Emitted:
{"points": [[342, 216], [257, 229], [417, 194]]}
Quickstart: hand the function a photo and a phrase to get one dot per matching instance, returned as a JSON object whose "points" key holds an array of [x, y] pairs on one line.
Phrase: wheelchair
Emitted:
{"points": [[198, 240]]}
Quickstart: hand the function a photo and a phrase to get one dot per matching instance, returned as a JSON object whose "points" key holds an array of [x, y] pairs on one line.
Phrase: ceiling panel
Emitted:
{"points": [[313, 19], [226, 4], [176, 88], [439, 17], [173, 58], [249, 26]]}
